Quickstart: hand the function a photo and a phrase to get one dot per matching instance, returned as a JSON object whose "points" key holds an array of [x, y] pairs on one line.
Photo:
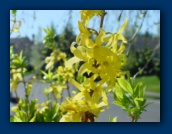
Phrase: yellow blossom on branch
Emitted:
{"points": [[86, 15], [101, 58]]}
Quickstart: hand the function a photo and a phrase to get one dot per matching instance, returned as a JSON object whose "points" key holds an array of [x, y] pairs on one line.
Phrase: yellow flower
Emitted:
{"points": [[57, 90], [84, 52], [114, 38], [104, 59], [65, 72], [83, 29], [98, 59], [85, 105], [86, 15], [61, 56], [77, 108], [13, 84], [55, 56], [16, 78], [50, 62]]}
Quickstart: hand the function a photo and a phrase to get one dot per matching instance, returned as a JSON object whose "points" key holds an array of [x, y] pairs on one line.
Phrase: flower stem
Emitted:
{"points": [[68, 90], [134, 120], [26, 96], [95, 32]]}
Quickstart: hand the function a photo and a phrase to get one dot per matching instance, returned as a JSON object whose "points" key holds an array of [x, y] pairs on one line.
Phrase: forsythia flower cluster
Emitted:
{"points": [[65, 73], [16, 77], [60, 77], [103, 58], [56, 55]]}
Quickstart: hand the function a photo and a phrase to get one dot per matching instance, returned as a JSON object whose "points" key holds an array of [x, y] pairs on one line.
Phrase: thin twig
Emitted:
{"points": [[26, 95], [134, 35], [68, 89], [134, 120], [119, 17], [95, 32], [16, 93], [138, 29], [61, 97], [55, 97], [102, 19]]}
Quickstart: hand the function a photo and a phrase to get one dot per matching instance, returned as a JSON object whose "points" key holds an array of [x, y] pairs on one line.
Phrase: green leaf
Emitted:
{"points": [[33, 106], [147, 105], [32, 120], [142, 92], [127, 100], [114, 119], [14, 12], [139, 102], [118, 103], [55, 116], [118, 92], [48, 75], [16, 119], [129, 79], [11, 118], [125, 85], [137, 89]]}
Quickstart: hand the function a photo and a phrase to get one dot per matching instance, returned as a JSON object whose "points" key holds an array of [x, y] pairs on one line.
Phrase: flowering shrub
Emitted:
{"points": [[100, 55]]}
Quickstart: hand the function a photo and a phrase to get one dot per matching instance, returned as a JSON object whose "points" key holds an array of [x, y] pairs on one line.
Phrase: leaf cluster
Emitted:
{"points": [[31, 112], [130, 97], [17, 61]]}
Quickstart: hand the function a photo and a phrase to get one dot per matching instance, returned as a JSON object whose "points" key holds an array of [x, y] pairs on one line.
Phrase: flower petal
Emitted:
{"points": [[71, 61], [100, 38], [121, 29]]}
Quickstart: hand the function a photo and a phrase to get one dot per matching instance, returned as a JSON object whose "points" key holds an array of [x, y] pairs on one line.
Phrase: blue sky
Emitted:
{"points": [[33, 20]]}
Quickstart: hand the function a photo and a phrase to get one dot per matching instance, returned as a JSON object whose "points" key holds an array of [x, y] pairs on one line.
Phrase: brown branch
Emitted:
{"points": [[102, 19], [134, 120]]}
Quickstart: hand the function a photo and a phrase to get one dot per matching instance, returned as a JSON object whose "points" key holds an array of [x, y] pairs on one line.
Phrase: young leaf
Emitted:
{"points": [[16, 119], [139, 102], [142, 92], [137, 89], [114, 119], [118, 92], [118, 103], [13, 12], [125, 85], [32, 120]]}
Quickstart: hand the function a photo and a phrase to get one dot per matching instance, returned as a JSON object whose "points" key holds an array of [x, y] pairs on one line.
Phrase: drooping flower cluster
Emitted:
{"points": [[65, 73], [55, 56], [103, 58], [59, 77]]}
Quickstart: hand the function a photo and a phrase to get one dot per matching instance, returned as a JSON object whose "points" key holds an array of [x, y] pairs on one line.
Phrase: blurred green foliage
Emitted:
{"points": [[140, 56], [51, 41]]}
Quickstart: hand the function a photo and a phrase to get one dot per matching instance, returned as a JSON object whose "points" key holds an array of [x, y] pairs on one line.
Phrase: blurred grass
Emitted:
{"points": [[152, 83], [152, 97]]}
